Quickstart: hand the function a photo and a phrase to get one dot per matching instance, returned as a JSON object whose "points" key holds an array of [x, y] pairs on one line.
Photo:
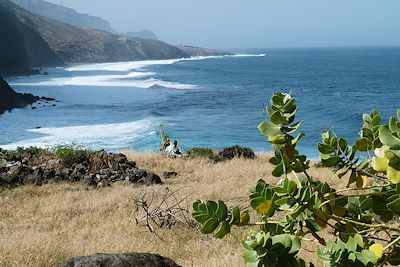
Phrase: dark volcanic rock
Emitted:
{"points": [[9, 99], [137, 174], [102, 169], [150, 179], [120, 260]]}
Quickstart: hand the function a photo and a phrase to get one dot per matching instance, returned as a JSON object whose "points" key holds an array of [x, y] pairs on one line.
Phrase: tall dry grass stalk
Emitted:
{"points": [[43, 226]]}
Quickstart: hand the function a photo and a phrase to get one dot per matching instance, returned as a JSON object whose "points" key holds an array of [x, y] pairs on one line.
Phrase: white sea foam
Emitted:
{"points": [[117, 135], [108, 81], [132, 78], [137, 65]]}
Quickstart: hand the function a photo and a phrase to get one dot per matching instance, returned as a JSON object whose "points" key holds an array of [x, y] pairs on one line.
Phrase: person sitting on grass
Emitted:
{"points": [[173, 150]]}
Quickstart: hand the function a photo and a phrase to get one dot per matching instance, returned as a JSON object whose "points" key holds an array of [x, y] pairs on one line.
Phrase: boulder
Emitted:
{"points": [[138, 174], [150, 179], [121, 158], [29, 179], [79, 168], [89, 180], [49, 174], [120, 260], [15, 170]]}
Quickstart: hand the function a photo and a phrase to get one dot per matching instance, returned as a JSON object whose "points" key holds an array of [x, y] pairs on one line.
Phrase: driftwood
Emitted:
{"points": [[166, 213]]}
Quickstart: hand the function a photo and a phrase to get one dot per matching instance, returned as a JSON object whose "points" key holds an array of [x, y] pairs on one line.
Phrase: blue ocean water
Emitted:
{"points": [[215, 102]]}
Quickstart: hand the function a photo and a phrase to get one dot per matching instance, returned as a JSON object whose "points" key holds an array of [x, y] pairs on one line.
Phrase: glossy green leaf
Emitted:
{"points": [[363, 144], [278, 118], [235, 216], [394, 205], [393, 175], [278, 170], [223, 229], [394, 125], [269, 129], [330, 162], [222, 211], [366, 257], [388, 138], [210, 226]]}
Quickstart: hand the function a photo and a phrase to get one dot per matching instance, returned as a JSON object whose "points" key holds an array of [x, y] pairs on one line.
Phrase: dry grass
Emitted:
{"points": [[43, 226]]}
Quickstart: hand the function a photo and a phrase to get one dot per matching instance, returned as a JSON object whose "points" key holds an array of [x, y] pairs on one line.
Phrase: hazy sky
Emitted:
{"points": [[254, 23]]}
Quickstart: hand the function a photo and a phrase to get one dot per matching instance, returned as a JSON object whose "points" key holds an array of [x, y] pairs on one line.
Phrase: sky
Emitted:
{"points": [[254, 23]]}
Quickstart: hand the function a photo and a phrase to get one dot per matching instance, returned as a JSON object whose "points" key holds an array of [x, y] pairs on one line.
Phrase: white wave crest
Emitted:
{"points": [[117, 135], [137, 65], [108, 81]]}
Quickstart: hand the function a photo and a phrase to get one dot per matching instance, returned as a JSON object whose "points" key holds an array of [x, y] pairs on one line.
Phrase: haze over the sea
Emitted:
{"points": [[256, 23]]}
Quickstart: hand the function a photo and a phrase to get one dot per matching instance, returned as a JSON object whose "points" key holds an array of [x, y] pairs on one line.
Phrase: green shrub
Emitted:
{"points": [[202, 152], [32, 150], [4, 155], [237, 151], [362, 219], [72, 154]]}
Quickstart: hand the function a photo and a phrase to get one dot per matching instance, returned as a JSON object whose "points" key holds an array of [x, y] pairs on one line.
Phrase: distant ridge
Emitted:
{"points": [[195, 51], [65, 14], [31, 41], [42, 41], [146, 34]]}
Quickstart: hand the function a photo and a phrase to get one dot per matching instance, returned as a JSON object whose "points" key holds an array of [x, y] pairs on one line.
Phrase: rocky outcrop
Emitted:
{"points": [[64, 14], [146, 34], [120, 260], [101, 169], [9, 99], [194, 51]]}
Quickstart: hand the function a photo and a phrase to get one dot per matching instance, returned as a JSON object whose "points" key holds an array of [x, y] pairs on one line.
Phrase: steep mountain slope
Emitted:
{"points": [[21, 48], [146, 34], [64, 14], [9, 99], [77, 45]]}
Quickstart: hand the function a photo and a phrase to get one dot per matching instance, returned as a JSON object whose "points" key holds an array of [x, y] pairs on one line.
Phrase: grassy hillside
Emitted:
{"points": [[43, 226]]}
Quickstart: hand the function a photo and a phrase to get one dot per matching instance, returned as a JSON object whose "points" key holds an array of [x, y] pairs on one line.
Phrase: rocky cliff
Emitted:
{"points": [[77, 45], [9, 99], [32, 41], [64, 14], [21, 47]]}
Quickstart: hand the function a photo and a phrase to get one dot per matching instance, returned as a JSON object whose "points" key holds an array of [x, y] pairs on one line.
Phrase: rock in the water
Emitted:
{"points": [[120, 260]]}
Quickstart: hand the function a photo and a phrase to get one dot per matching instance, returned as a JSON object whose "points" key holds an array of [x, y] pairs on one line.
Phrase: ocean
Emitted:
{"points": [[207, 101]]}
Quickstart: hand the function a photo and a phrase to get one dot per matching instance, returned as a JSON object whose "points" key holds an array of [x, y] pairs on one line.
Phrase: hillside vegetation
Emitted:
{"points": [[43, 226]]}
